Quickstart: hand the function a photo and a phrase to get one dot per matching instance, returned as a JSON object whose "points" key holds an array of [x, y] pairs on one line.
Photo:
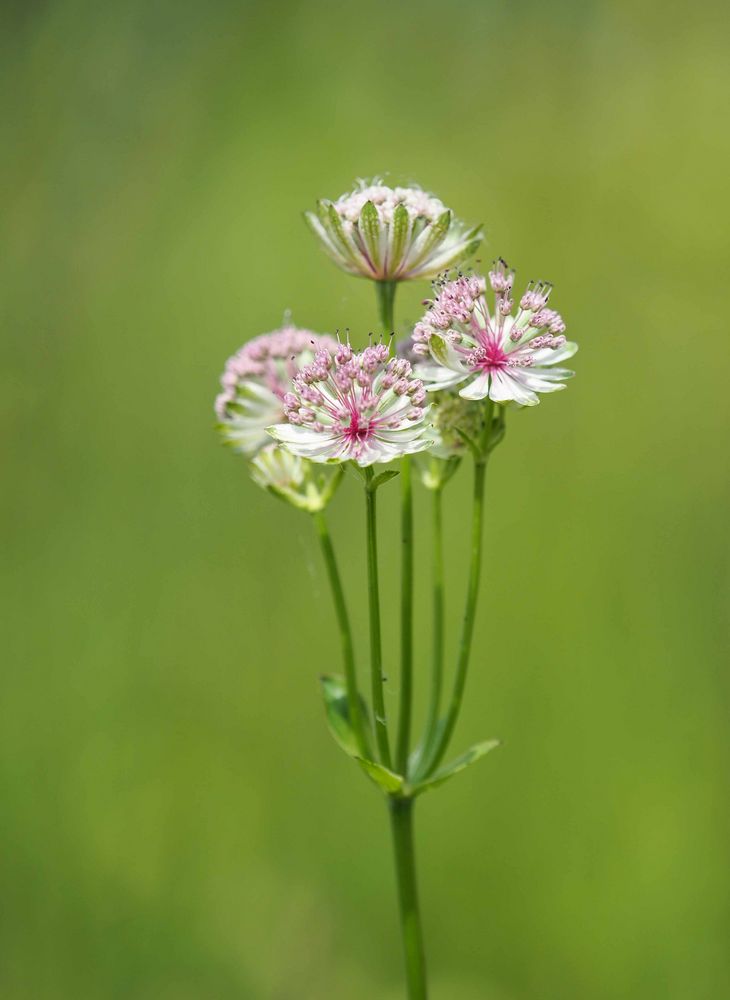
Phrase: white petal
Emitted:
{"points": [[448, 380], [505, 387], [537, 384], [551, 374], [548, 356], [294, 434], [477, 388]]}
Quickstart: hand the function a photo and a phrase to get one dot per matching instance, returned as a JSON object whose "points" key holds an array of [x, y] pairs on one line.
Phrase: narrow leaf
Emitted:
{"points": [[384, 477], [337, 709], [389, 781], [449, 770]]}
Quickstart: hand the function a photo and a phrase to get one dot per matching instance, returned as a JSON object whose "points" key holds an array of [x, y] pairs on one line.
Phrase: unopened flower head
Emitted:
{"points": [[255, 380], [391, 234], [504, 353], [364, 408], [294, 479], [455, 421]]}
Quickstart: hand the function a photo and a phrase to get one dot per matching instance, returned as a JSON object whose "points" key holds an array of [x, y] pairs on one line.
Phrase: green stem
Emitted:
{"points": [[343, 623], [385, 291], [406, 611], [467, 632], [437, 663], [376, 653], [401, 819]]}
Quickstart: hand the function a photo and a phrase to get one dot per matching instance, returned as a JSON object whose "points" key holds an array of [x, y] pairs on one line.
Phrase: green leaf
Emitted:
{"points": [[449, 770], [337, 709], [388, 781], [369, 226], [384, 477]]}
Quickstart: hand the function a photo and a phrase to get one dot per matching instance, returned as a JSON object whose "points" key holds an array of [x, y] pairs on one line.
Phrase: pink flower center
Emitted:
{"points": [[358, 429], [488, 358]]}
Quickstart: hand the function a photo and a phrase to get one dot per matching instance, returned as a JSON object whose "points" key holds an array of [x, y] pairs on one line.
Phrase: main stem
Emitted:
{"points": [[406, 611], [437, 639], [376, 653], [343, 624], [401, 819], [401, 810]]}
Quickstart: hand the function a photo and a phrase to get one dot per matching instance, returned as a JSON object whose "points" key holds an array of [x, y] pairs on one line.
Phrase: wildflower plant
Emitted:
{"points": [[302, 407]]}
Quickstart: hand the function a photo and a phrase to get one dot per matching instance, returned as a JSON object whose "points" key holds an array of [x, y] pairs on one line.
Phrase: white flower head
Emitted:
{"points": [[255, 380], [391, 233], [503, 354], [294, 479], [364, 408]]}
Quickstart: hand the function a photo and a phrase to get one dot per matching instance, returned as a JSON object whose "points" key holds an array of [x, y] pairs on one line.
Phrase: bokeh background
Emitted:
{"points": [[176, 821]]}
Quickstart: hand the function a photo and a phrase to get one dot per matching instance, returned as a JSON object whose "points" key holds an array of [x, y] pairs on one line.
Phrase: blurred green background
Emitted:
{"points": [[176, 822]]}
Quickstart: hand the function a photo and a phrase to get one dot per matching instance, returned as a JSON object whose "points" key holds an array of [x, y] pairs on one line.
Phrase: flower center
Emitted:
{"points": [[358, 429], [488, 358]]}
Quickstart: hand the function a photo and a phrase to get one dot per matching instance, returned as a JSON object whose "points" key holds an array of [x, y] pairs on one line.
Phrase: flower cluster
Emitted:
{"points": [[364, 408], [391, 234], [502, 354], [255, 381]]}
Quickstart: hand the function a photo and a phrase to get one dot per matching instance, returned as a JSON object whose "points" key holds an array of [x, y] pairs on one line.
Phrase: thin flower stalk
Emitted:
{"points": [[376, 650], [345, 630], [441, 743], [406, 674], [437, 613]]}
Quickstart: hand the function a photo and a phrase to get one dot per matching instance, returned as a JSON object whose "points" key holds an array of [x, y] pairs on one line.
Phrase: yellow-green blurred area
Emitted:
{"points": [[176, 822]]}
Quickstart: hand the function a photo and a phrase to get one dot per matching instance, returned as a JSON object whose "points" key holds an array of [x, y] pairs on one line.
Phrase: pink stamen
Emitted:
{"points": [[488, 358]]}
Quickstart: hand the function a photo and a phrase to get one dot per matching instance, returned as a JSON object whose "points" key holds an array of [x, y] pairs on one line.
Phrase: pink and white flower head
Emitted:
{"points": [[391, 234], [363, 408], [255, 381], [506, 354]]}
